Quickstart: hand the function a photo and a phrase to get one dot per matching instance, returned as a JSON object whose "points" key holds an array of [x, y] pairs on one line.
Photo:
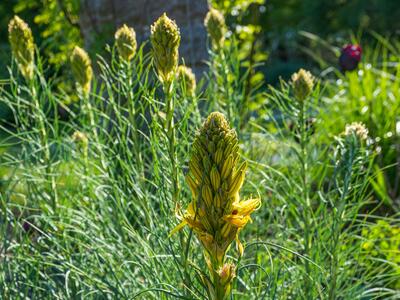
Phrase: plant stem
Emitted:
{"points": [[306, 198], [170, 132], [43, 136]]}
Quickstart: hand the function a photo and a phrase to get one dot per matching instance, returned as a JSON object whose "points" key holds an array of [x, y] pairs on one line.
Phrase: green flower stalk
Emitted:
{"points": [[82, 69], [303, 83], [81, 140], [216, 214], [216, 28], [125, 41], [165, 39], [186, 76], [22, 46]]}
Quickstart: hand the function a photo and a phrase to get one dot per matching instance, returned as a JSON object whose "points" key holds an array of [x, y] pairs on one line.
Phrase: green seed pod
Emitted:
{"points": [[186, 76], [82, 68], [216, 28], [22, 46], [125, 40], [165, 38], [303, 83]]}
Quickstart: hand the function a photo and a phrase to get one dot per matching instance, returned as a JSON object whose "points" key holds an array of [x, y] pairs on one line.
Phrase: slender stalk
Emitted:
{"points": [[92, 127], [170, 132], [305, 192], [43, 137], [133, 119]]}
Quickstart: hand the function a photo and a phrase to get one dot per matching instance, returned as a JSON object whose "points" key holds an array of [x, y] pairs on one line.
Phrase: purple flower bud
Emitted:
{"points": [[350, 57]]}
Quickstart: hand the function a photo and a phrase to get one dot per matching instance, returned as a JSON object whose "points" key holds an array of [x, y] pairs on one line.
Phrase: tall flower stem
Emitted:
{"points": [[92, 127], [133, 119], [305, 190], [170, 132], [43, 137]]}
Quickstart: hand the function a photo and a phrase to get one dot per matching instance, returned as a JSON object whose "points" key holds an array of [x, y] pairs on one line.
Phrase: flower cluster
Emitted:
{"points": [[82, 68], [22, 46], [165, 39], [303, 83], [357, 129], [216, 213], [125, 41], [188, 79], [216, 28]]}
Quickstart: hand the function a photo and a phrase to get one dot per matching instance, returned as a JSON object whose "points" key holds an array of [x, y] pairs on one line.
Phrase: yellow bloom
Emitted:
{"points": [[303, 83], [165, 38], [186, 76], [22, 46], [216, 213], [82, 68], [216, 28], [125, 40]]}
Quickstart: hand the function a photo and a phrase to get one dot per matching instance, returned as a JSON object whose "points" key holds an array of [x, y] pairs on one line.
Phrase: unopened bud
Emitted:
{"points": [[82, 68], [216, 28], [125, 40], [22, 45], [303, 83], [188, 80], [165, 38]]}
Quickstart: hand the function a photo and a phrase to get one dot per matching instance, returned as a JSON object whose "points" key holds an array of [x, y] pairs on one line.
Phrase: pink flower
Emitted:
{"points": [[350, 57]]}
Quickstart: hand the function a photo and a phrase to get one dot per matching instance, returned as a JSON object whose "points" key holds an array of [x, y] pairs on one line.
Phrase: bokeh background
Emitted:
{"points": [[271, 31]]}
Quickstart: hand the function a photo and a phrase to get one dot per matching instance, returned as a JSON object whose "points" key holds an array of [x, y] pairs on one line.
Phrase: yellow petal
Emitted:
{"points": [[177, 228], [245, 208], [239, 245], [237, 220]]}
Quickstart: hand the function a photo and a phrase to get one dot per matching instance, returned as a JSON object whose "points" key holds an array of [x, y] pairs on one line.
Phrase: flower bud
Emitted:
{"points": [[22, 46], [303, 83], [125, 40], [165, 38], [357, 129], [188, 80], [227, 273], [216, 28], [81, 68], [81, 140]]}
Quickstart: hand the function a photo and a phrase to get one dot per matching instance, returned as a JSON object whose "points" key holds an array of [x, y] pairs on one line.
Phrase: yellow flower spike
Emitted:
{"points": [[186, 76], [82, 68], [216, 28], [217, 219], [165, 39], [125, 41], [303, 83], [22, 46]]}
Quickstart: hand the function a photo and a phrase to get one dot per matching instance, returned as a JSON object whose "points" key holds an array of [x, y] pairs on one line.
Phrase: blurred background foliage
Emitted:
{"points": [[263, 27], [55, 25]]}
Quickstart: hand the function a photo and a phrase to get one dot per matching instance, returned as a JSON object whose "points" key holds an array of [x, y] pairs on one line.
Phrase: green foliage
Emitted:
{"points": [[382, 242], [58, 25], [90, 191], [371, 95]]}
